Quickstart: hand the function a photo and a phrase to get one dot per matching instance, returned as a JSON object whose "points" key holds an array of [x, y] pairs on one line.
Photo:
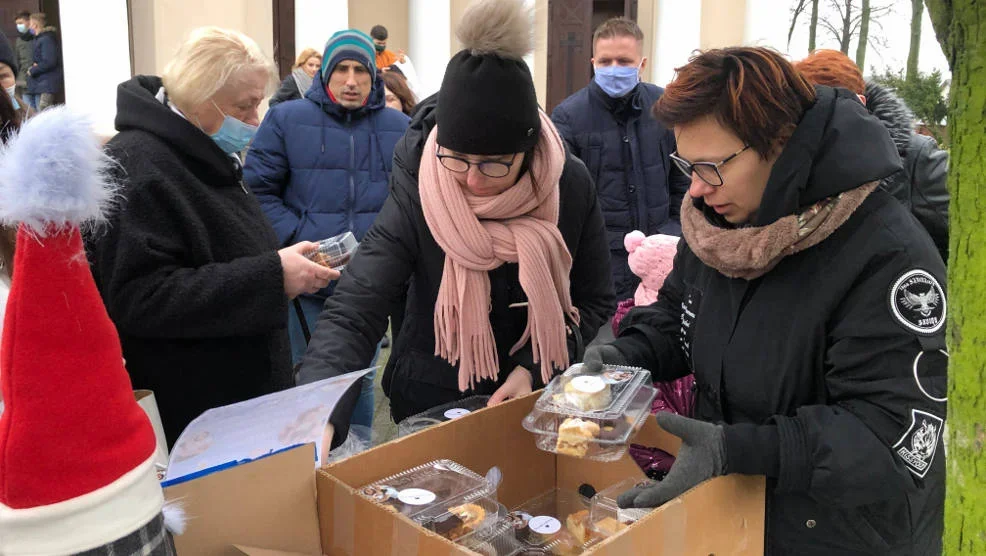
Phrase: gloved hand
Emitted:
{"points": [[603, 354], [702, 456]]}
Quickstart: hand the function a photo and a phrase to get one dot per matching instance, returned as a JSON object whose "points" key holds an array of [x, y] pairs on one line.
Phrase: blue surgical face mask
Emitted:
{"points": [[233, 136], [13, 99], [21, 28], [617, 81]]}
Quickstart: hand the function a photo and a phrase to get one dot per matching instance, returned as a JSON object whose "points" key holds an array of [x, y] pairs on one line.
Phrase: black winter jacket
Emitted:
{"points": [[288, 90], [626, 151], [811, 366], [399, 256], [923, 183], [188, 266]]}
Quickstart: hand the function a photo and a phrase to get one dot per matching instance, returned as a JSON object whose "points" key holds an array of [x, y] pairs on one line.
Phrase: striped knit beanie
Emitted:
{"points": [[349, 44]]}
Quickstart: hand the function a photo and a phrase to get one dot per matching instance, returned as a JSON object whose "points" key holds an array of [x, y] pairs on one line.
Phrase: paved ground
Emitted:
{"points": [[384, 428]]}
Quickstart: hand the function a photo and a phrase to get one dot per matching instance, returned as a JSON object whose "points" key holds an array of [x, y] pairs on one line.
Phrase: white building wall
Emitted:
{"points": [[678, 28], [95, 63], [766, 24], [429, 28], [316, 20]]}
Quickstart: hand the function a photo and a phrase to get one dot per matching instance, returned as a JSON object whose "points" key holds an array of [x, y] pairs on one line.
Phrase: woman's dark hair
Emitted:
{"points": [[398, 86], [752, 91], [10, 122], [10, 119]]}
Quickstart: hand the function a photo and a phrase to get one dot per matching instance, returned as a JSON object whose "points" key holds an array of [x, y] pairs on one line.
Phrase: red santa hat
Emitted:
{"points": [[76, 451]]}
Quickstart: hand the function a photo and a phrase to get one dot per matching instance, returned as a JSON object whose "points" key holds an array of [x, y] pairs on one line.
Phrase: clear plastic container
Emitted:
{"points": [[554, 523], [497, 540], [473, 519], [605, 515], [335, 252], [578, 393], [604, 438], [426, 492], [441, 414]]}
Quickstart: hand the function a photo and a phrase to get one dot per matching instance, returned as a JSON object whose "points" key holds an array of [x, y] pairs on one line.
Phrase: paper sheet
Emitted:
{"points": [[251, 429]]}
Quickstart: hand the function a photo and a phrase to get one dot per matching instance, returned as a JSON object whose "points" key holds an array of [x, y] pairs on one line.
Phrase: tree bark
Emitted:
{"points": [[961, 29], [846, 29], [812, 28], [917, 12], [864, 35]]}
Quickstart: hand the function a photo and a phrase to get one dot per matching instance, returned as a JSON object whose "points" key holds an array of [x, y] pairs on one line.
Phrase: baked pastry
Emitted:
{"points": [[615, 429], [574, 435], [608, 526], [471, 515], [578, 525]]}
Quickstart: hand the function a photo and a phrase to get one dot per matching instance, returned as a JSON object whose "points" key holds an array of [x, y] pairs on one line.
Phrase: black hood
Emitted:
{"points": [[836, 147], [138, 109], [893, 112]]}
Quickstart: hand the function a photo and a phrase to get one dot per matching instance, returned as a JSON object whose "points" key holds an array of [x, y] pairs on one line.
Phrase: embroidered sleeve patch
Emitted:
{"points": [[917, 302], [918, 445]]}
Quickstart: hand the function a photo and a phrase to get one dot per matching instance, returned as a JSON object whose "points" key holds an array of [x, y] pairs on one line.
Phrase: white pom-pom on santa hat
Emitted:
{"points": [[53, 173]]}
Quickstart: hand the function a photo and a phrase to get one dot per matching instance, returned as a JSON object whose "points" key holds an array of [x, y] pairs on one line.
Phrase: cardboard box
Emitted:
{"points": [[270, 506]]}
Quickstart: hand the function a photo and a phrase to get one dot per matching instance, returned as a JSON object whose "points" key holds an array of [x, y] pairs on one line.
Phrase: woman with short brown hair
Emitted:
{"points": [[808, 304]]}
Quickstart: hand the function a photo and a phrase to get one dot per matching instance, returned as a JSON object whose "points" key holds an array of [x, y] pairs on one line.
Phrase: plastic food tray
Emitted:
{"points": [[605, 515], [335, 252], [498, 540], [595, 438], [425, 492], [544, 525], [578, 393], [441, 414]]}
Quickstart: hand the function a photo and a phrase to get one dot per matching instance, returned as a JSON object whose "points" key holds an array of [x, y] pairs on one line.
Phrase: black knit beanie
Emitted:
{"points": [[487, 104], [7, 53]]}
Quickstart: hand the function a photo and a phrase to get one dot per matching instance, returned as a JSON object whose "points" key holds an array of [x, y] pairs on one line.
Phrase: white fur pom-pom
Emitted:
{"points": [[174, 517], [53, 173]]}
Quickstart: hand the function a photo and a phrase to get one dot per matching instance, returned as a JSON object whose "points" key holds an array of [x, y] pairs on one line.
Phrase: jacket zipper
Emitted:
{"points": [[352, 182]]}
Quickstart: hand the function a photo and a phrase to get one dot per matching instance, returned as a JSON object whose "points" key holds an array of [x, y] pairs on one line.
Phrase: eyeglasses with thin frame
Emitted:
{"points": [[489, 168], [706, 171]]}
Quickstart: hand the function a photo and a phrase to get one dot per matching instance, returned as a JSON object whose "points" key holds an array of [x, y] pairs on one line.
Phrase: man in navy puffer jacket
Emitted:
{"points": [[609, 126], [320, 165]]}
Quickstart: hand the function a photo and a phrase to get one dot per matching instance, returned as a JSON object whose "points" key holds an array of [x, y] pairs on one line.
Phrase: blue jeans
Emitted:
{"points": [[32, 100], [311, 307]]}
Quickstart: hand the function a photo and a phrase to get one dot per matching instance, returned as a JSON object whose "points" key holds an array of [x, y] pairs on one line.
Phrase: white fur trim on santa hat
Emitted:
{"points": [[43, 186], [86, 522]]}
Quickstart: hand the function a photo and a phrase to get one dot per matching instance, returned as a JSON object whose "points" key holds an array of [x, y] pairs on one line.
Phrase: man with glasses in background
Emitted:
{"points": [[608, 125]]}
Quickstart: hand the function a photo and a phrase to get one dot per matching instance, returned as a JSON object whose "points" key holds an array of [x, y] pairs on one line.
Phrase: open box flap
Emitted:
{"points": [[269, 503], [254, 551]]}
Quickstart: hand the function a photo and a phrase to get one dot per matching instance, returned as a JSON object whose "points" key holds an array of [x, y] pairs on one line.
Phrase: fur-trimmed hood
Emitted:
{"points": [[891, 110]]}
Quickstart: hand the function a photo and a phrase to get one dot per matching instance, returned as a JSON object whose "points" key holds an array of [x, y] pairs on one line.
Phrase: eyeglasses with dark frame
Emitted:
{"points": [[706, 171], [489, 168]]}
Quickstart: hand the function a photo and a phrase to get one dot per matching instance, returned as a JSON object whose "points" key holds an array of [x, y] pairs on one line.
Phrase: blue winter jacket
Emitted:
{"points": [[46, 75], [319, 169], [626, 151]]}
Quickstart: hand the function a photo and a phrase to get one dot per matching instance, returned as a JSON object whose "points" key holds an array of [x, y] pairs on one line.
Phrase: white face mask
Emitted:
{"points": [[13, 99]]}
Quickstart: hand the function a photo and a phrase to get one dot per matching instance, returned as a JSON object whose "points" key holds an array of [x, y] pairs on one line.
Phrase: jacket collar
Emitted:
{"points": [[317, 94]]}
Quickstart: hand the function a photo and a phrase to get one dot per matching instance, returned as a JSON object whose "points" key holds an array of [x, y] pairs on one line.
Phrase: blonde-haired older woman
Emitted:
{"points": [[189, 267], [300, 79]]}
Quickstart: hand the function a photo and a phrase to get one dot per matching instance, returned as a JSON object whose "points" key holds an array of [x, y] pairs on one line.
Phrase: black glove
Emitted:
{"points": [[604, 354], [702, 456]]}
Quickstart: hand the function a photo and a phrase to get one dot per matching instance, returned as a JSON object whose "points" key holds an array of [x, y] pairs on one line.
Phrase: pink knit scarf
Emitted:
{"points": [[478, 234]]}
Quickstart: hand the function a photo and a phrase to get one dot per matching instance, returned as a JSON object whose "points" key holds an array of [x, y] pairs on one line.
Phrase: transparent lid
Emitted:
{"points": [[579, 393], [497, 540], [605, 515], [427, 491], [554, 523], [461, 521], [601, 438], [441, 414], [335, 252]]}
